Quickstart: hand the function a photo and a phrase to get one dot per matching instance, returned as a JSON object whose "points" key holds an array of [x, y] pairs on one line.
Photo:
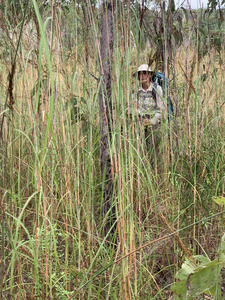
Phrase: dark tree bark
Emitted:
{"points": [[143, 9], [85, 34], [105, 106]]}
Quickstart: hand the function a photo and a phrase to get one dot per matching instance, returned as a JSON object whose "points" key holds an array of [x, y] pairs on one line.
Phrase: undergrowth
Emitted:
{"points": [[52, 229]]}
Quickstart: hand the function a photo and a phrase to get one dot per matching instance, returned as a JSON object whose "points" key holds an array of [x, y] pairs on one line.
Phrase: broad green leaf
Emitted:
{"points": [[180, 290], [216, 291], [219, 200], [186, 269], [204, 278], [201, 260], [201, 279]]}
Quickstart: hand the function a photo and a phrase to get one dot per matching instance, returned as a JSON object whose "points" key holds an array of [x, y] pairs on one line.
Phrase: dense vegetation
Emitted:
{"points": [[53, 241]]}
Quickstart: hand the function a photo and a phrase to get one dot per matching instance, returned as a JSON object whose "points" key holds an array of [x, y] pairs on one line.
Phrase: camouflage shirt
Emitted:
{"points": [[148, 107]]}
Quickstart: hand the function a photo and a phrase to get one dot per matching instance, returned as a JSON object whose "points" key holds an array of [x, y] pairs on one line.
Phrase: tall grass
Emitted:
{"points": [[52, 241]]}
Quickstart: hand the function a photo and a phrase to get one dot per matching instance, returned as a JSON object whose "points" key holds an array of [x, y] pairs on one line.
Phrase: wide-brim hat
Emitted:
{"points": [[144, 67]]}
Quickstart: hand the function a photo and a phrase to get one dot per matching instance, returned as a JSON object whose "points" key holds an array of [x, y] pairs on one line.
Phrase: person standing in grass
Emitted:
{"points": [[149, 106]]}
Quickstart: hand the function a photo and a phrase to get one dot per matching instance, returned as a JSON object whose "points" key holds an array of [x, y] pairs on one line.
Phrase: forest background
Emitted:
{"points": [[56, 242]]}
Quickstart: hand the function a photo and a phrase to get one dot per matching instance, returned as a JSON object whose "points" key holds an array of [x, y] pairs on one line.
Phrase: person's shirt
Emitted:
{"points": [[148, 107]]}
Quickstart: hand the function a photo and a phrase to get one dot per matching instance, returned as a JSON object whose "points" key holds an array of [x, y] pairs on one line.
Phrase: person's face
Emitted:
{"points": [[145, 77]]}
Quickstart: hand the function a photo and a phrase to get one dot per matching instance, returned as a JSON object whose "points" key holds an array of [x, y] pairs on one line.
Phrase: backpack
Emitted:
{"points": [[160, 79]]}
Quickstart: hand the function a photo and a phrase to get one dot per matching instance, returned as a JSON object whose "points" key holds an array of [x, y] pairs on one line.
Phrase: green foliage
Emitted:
{"points": [[219, 200], [51, 239], [77, 108], [14, 10], [203, 276]]}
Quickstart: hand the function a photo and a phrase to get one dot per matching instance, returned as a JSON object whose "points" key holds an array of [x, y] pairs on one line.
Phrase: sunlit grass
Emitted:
{"points": [[52, 234]]}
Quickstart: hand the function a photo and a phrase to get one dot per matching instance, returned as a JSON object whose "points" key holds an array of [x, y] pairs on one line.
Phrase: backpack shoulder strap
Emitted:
{"points": [[154, 90]]}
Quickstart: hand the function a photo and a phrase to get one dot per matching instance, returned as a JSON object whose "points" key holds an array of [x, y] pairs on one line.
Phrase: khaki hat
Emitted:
{"points": [[144, 67]]}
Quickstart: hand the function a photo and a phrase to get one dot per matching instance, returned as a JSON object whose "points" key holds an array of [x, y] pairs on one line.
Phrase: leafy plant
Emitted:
{"points": [[219, 200], [51, 193], [203, 276]]}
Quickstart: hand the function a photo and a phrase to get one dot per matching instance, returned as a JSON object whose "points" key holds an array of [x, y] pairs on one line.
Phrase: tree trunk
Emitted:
{"points": [[105, 107], [85, 34]]}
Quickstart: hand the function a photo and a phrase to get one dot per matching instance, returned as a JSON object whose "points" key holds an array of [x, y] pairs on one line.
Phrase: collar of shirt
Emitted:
{"points": [[149, 88]]}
